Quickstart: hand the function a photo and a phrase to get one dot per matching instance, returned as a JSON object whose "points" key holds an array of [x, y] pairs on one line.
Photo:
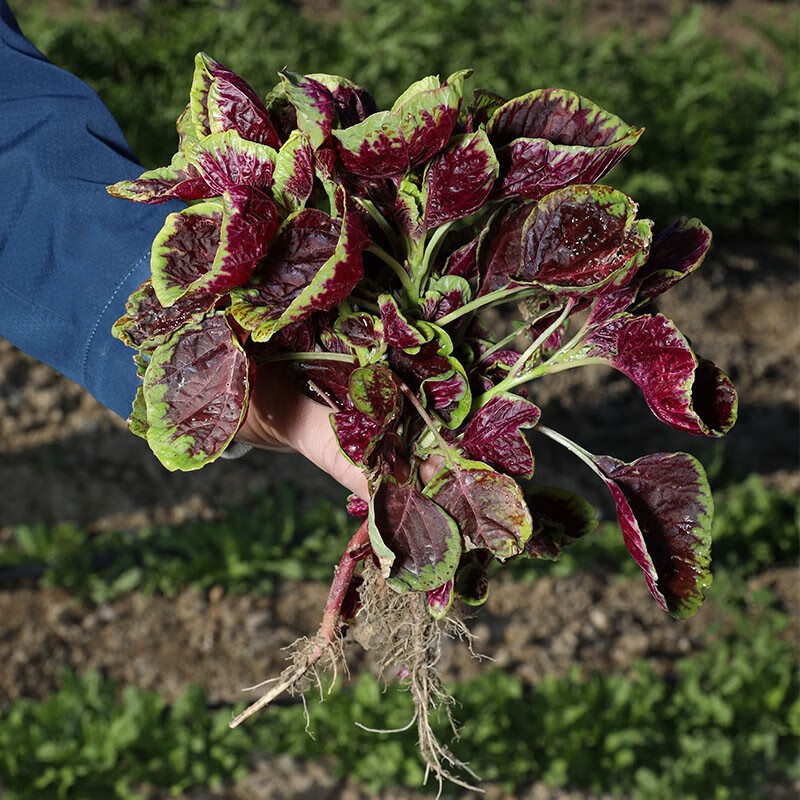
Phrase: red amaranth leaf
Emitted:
{"points": [[459, 179], [196, 389], [665, 508], [489, 507], [416, 542], [681, 390], [553, 138], [494, 435]]}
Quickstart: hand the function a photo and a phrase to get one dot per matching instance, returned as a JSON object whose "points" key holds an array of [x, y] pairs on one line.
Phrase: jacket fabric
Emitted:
{"points": [[70, 254]]}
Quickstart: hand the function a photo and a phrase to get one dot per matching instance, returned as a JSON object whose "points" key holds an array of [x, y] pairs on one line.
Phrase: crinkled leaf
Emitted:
{"points": [[444, 295], [387, 144], [574, 239], [375, 148], [137, 421], [494, 434], [196, 252], [327, 381], [293, 179], [676, 252], [359, 435], [560, 517], [480, 109], [357, 507], [352, 103], [417, 543], [225, 160], [448, 394], [427, 117], [500, 248], [463, 262], [147, 324], [397, 331], [489, 507], [180, 180], [359, 329], [459, 179], [231, 104], [552, 138], [665, 509], [312, 266], [184, 250], [682, 391], [409, 208], [196, 388]]}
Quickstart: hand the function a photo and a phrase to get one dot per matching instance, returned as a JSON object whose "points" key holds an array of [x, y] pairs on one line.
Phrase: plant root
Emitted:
{"points": [[407, 638], [325, 649]]}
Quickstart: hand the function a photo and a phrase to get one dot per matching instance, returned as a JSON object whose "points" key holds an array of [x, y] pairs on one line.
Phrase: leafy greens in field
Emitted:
{"points": [[363, 245]]}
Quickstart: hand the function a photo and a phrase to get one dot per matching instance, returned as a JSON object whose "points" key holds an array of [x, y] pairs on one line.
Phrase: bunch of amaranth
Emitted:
{"points": [[361, 247]]}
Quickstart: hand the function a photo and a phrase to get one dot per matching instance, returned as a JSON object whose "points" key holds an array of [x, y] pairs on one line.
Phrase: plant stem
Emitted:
{"points": [[541, 339], [429, 424], [398, 270], [356, 551], [380, 221], [431, 248], [575, 449], [499, 296], [343, 357]]}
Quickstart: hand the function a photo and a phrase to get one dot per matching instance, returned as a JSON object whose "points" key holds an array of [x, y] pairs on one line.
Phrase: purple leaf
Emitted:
{"points": [[314, 104], [231, 104], [313, 265], [463, 262], [416, 542], [427, 117], [359, 436], [327, 381], [500, 251], [459, 179], [374, 392], [489, 507], [553, 138], [577, 239], [180, 180], [196, 251], [293, 179], [665, 508], [560, 517], [397, 331], [440, 599], [147, 324], [480, 109], [419, 124], [676, 252], [226, 160], [196, 388], [682, 391], [184, 250], [445, 295], [494, 434], [358, 330]]}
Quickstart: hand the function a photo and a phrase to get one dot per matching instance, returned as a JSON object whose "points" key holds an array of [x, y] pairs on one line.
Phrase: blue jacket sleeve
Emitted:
{"points": [[69, 253]]}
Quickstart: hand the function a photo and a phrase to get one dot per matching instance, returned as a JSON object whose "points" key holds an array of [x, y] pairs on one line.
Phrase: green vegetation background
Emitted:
{"points": [[721, 143], [721, 121]]}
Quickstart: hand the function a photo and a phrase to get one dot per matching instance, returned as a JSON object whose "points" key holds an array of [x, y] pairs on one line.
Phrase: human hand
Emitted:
{"points": [[282, 418]]}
